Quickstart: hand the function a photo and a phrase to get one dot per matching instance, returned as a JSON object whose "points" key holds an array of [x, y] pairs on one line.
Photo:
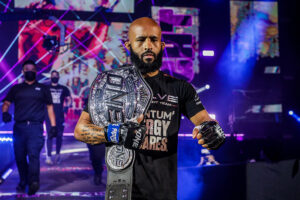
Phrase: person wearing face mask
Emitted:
{"points": [[30, 99], [60, 94]]}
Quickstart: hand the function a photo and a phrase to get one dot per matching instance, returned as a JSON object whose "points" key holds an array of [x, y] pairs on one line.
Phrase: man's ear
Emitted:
{"points": [[163, 45], [127, 45]]}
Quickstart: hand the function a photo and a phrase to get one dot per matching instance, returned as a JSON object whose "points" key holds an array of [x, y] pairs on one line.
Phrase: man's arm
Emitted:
{"points": [[197, 119], [87, 132], [207, 131], [51, 114], [5, 106], [68, 101], [201, 117], [6, 117]]}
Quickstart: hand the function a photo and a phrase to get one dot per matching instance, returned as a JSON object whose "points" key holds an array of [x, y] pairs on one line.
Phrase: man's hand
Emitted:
{"points": [[130, 134], [6, 117], [53, 132], [209, 134]]}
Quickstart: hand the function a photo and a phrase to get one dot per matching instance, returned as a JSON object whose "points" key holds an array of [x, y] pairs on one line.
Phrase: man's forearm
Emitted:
{"points": [[5, 106], [68, 101], [51, 115], [89, 133]]}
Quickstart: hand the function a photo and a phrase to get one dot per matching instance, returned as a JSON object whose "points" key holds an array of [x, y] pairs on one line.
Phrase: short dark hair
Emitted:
{"points": [[54, 71], [28, 62]]}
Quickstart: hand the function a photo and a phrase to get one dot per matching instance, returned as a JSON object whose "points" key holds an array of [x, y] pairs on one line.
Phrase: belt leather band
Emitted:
{"points": [[118, 96]]}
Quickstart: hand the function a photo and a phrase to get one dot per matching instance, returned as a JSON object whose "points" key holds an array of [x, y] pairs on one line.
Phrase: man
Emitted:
{"points": [[155, 167], [59, 94], [97, 153], [30, 99]]}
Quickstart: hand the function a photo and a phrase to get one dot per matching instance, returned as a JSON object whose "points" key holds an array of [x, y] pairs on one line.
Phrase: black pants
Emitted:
{"points": [[58, 138], [28, 141], [97, 154]]}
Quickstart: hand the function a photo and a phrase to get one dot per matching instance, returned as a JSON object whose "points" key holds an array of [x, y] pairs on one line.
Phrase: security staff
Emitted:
{"points": [[60, 94], [30, 99]]}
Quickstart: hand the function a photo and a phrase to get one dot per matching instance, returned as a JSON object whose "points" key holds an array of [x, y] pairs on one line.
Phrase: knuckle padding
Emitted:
{"points": [[135, 135], [213, 134]]}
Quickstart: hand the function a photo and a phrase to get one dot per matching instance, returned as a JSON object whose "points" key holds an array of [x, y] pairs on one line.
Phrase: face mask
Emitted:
{"points": [[54, 79], [30, 75]]}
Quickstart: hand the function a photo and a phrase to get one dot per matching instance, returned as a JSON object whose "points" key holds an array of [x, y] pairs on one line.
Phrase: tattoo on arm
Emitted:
{"points": [[92, 134]]}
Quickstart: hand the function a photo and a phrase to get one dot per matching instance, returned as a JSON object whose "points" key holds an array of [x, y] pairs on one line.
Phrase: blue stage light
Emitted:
{"points": [[292, 113], [6, 139]]}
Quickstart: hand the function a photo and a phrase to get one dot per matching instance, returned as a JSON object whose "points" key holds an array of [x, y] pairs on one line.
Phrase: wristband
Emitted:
{"points": [[113, 133]]}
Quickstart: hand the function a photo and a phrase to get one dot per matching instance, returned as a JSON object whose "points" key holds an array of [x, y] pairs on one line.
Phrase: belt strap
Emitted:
{"points": [[119, 162]]}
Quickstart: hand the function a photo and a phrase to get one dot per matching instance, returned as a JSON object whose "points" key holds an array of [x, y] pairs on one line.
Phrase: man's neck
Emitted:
{"points": [[30, 82], [150, 74], [54, 84]]}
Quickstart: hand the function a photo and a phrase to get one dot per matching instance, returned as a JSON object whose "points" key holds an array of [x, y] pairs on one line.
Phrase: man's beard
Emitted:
{"points": [[146, 67]]}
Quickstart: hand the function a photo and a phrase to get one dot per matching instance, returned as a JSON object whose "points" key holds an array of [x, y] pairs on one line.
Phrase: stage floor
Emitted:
{"points": [[71, 179]]}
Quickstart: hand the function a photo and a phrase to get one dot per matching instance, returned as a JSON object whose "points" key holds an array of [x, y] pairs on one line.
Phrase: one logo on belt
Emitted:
{"points": [[38, 88]]}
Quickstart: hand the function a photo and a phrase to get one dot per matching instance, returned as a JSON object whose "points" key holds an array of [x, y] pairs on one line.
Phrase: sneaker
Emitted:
{"points": [[57, 159], [49, 160], [97, 179], [33, 188], [21, 187]]}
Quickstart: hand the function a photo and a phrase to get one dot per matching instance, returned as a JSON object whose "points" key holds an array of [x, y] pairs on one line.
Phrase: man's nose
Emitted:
{"points": [[148, 44]]}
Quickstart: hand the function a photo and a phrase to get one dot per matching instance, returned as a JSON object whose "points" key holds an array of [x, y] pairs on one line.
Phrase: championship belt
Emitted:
{"points": [[118, 96]]}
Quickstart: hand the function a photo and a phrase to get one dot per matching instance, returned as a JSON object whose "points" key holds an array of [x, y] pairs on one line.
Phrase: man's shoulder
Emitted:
{"points": [[64, 87], [41, 84], [173, 79], [57, 86], [44, 86], [18, 86]]}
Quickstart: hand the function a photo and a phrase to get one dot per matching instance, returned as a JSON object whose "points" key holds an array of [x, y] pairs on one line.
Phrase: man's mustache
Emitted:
{"points": [[149, 52]]}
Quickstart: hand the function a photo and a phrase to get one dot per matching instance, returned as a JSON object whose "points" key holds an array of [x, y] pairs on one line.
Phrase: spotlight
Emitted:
{"points": [[294, 115], [6, 139], [5, 175], [208, 53], [206, 87], [213, 116]]}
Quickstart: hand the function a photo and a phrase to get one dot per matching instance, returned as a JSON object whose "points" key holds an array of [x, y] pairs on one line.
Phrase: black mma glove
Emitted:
{"points": [[212, 134], [130, 134], [53, 132], [6, 117]]}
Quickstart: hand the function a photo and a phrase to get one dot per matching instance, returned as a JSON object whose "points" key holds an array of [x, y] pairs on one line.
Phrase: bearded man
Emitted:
{"points": [[155, 165]]}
